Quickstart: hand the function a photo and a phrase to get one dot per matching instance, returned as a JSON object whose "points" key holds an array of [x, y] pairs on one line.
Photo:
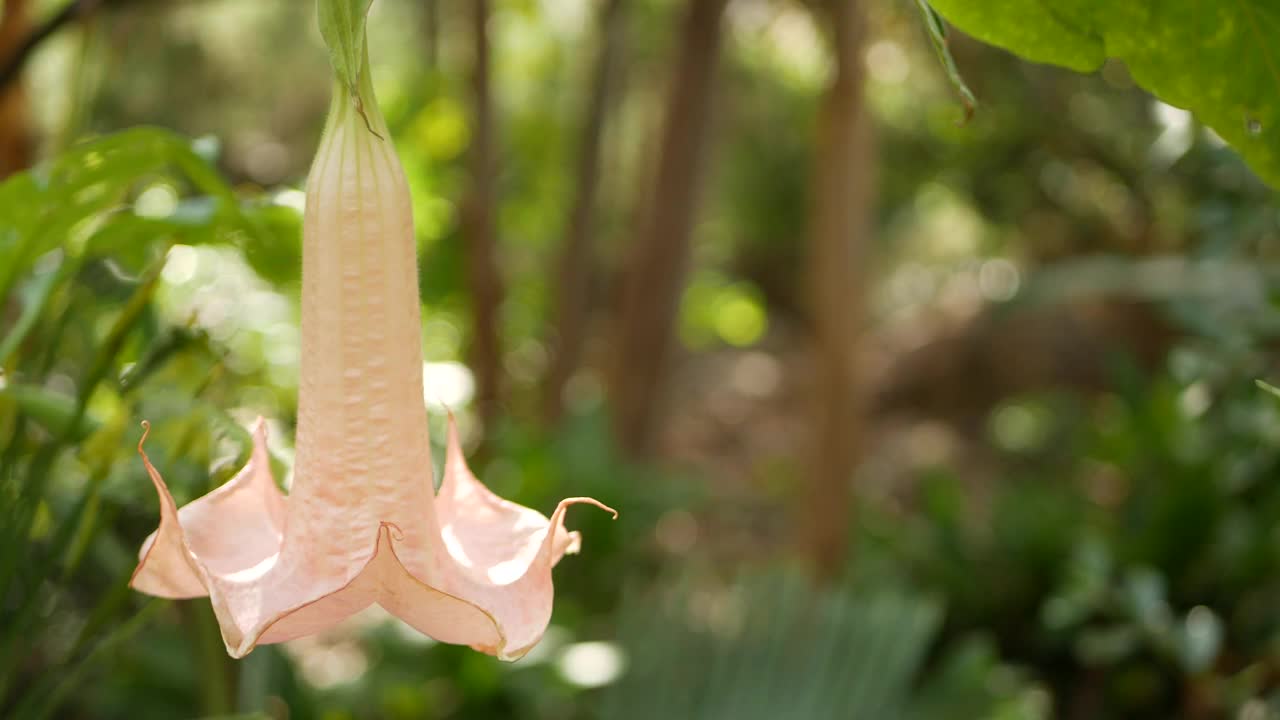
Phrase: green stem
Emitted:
{"points": [[75, 678], [218, 697], [938, 38], [38, 470]]}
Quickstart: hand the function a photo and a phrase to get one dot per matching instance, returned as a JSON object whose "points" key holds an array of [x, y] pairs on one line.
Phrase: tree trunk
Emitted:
{"points": [[483, 279], [431, 31], [841, 193], [16, 152], [655, 275], [576, 258]]}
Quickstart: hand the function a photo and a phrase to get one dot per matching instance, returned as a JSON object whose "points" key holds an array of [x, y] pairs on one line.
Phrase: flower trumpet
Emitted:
{"points": [[362, 522]]}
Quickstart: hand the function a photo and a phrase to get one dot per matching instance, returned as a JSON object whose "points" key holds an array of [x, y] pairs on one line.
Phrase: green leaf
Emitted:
{"points": [[65, 201], [32, 301], [1212, 58], [1032, 29], [53, 410], [342, 27]]}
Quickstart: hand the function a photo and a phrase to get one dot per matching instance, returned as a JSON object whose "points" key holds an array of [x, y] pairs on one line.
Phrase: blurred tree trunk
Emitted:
{"points": [[478, 229], [841, 191], [15, 124], [575, 267], [19, 40], [431, 30], [655, 276]]}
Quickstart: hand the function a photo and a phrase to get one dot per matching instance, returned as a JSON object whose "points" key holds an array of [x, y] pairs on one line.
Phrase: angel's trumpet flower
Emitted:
{"points": [[361, 523]]}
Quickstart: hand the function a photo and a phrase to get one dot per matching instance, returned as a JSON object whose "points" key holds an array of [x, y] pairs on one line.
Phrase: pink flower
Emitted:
{"points": [[362, 523]]}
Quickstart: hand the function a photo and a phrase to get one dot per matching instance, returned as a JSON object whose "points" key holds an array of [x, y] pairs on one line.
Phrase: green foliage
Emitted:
{"points": [[82, 252], [771, 646], [1140, 570], [1215, 59], [1110, 553]]}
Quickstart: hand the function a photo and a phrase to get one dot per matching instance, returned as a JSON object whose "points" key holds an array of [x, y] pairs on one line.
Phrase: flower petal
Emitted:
{"points": [[502, 553], [194, 541], [492, 539], [165, 567], [484, 582], [429, 610], [281, 606]]}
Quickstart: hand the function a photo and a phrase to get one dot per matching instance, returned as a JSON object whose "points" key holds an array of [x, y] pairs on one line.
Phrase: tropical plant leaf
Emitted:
{"points": [[80, 262], [773, 646], [1216, 59]]}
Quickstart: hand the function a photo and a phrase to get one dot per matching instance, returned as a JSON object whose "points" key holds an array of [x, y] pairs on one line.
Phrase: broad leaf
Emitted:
{"points": [[1217, 59]]}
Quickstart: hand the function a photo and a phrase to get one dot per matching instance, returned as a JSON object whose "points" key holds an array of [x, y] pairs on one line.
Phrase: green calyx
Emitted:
{"points": [[342, 25], [359, 106]]}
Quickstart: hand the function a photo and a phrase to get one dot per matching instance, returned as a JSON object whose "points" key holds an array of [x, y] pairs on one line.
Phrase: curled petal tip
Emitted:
{"points": [[260, 450], [590, 501]]}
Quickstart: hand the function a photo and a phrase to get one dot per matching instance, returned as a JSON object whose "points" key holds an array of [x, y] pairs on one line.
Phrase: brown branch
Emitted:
{"points": [[656, 270], [484, 280], [577, 257], [841, 190], [14, 64]]}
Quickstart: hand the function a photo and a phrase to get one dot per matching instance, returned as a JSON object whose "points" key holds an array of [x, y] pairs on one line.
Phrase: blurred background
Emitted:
{"points": [[906, 416]]}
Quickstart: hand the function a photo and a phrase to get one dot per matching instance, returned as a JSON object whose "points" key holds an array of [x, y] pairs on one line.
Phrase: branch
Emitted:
{"points": [[14, 64]]}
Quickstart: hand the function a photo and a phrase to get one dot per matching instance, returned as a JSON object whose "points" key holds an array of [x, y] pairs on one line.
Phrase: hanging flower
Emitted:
{"points": [[361, 523]]}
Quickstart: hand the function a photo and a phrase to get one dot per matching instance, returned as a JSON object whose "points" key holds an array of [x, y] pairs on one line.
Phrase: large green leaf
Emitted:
{"points": [[1217, 59], [72, 196]]}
